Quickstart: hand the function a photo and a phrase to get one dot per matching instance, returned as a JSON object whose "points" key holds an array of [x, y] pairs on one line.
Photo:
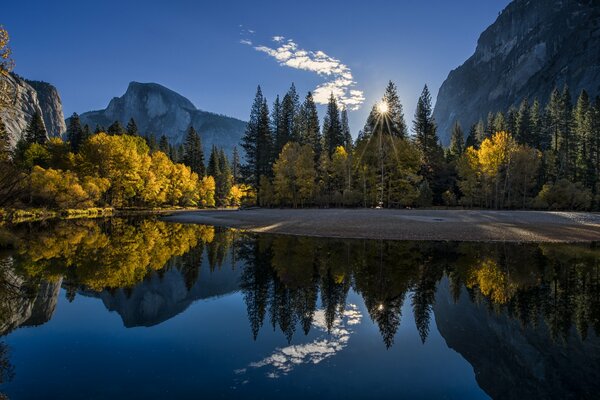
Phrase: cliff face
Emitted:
{"points": [[533, 47], [158, 110], [27, 97]]}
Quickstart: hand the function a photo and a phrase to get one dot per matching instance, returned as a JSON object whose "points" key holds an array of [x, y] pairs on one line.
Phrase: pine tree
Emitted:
{"points": [[75, 133], [425, 130], [116, 129], [235, 166], [257, 142], [457, 141], [5, 148], [582, 132], [213, 168], [523, 134], [511, 120], [346, 130], [132, 128], [224, 179], [278, 129], [309, 125], [163, 144], [332, 127], [538, 141], [472, 138], [193, 154], [290, 106], [99, 129], [36, 130], [86, 133], [397, 125], [499, 124]]}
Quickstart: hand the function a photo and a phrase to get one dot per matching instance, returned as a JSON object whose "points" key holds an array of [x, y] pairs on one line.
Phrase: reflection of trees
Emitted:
{"points": [[284, 276], [107, 254]]}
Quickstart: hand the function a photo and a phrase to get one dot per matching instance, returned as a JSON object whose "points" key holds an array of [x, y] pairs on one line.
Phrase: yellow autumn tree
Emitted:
{"points": [[294, 170]]}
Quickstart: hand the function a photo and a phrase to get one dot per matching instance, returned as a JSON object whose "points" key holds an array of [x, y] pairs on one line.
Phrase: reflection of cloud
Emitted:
{"points": [[284, 360], [340, 80]]}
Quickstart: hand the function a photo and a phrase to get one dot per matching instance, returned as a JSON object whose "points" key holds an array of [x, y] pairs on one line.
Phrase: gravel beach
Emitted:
{"points": [[448, 225]]}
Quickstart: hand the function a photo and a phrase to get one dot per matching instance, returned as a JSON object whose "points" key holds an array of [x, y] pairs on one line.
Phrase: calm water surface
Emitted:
{"points": [[152, 310]]}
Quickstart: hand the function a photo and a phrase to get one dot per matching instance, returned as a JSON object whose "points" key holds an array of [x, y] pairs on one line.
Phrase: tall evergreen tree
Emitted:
{"points": [[395, 114], [457, 141], [523, 132], [278, 129], [99, 129], [582, 133], [132, 128], [86, 133], [425, 130], [471, 140], [193, 154], [224, 178], [116, 129], [309, 125], [257, 142], [163, 144], [511, 120], [36, 130], [213, 163], [75, 133], [235, 166], [346, 130], [537, 126], [332, 127]]}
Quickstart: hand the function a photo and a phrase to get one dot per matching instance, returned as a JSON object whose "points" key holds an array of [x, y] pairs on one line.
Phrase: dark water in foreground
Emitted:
{"points": [[147, 309]]}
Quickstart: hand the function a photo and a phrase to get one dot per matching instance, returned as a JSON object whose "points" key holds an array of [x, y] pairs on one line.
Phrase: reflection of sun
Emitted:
{"points": [[382, 107]]}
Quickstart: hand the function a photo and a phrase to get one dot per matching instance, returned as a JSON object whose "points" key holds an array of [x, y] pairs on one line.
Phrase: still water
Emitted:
{"points": [[140, 308]]}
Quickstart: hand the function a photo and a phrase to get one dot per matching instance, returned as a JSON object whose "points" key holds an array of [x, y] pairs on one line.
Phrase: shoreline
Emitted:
{"points": [[417, 225]]}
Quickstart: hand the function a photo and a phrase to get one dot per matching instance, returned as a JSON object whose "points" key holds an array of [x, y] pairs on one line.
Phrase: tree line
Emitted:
{"points": [[534, 156]]}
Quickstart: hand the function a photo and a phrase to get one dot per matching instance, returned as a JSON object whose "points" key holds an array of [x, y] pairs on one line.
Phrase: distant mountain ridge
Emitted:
{"points": [[158, 110], [533, 47]]}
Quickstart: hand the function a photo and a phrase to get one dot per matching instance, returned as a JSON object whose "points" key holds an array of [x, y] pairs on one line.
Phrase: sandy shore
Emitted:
{"points": [[465, 225]]}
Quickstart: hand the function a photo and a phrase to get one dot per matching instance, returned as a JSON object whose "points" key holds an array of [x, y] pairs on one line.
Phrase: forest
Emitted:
{"points": [[542, 156]]}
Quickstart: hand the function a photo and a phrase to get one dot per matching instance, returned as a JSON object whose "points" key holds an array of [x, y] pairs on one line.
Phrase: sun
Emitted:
{"points": [[382, 107]]}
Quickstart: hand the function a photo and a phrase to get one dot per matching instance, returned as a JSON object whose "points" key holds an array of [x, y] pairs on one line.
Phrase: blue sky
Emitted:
{"points": [[91, 50]]}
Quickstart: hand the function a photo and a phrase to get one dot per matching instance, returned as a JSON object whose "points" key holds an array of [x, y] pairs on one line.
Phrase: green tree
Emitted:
{"points": [[309, 125], [36, 130], [163, 144], [332, 127], [396, 124], [75, 133], [523, 134], [131, 128], [457, 141], [257, 142], [193, 153], [116, 129], [346, 130]]}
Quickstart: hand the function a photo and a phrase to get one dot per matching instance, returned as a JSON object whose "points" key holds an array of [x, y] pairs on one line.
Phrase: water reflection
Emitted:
{"points": [[526, 317]]}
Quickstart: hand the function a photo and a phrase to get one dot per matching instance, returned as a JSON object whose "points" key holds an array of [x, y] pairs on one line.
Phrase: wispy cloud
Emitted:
{"points": [[339, 79]]}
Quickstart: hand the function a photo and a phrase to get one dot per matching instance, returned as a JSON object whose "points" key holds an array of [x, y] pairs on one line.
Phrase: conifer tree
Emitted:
{"points": [[116, 129], [346, 130], [511, 121], [457, 141], [163, 144], [99, 129], [523, 134], [213, 168], [582, 132], [309, 125], [86, 133], [257, 142], [75, 133], [132, 128], [224, 181], [471, 140], [235, 166], [290, 107], [332, 128], [538, 140], [397, 125], [278, 129], [425, 130], [36, 130], [193, 154]]}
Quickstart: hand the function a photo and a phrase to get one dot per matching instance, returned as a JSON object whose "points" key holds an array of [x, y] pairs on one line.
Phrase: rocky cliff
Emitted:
{"points": [[533, 47], [158, 110], [27, 97]]}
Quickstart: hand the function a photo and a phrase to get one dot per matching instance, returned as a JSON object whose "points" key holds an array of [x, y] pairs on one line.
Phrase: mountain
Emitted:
{"points": [[164, 295], [27, 97], [533, 47], [158, 110]]}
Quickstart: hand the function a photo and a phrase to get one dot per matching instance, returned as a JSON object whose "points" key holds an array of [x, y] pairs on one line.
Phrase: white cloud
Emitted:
{"points": [[327, 344], [339, 79], [246, 41]]}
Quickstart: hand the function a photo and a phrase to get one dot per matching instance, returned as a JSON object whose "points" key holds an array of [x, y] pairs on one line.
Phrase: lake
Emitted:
{"points": [[141, 308]]}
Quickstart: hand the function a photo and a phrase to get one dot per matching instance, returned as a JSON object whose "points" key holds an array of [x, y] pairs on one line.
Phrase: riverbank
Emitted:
{"points": [[446, 225]]}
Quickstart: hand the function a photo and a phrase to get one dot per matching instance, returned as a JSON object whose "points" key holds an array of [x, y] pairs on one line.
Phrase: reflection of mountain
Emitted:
{"points": [[516, 362], [24, 303], [162, 296]]}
